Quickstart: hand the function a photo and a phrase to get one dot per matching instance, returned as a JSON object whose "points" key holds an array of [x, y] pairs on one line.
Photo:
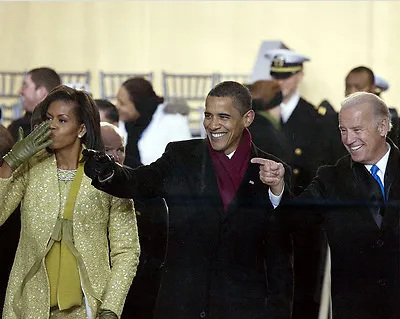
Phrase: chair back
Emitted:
{"points": [[237, 77], [194, 89], [76, 80], [10, 104], [110, 82]]}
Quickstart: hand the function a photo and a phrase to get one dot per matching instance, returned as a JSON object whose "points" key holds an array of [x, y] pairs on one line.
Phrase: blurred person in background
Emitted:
{"points": [[108, 111], [138, 105], [313, 140], [152, 220], [363, 79], [265, 129], [36, 85]]}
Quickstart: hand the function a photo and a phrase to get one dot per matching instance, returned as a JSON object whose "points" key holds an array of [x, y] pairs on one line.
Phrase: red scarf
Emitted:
{"points": [[230, 172]]}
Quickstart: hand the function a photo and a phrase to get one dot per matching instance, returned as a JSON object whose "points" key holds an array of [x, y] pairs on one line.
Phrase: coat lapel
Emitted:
{"points": [[369, 194], [247, 187], [205, 180]]}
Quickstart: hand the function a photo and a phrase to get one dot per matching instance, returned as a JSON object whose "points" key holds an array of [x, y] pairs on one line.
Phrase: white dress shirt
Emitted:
{"points": [[288, 107]]}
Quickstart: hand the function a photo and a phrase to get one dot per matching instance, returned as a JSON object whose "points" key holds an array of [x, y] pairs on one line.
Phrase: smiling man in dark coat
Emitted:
{"points": [[228, 254], [356, 202]]}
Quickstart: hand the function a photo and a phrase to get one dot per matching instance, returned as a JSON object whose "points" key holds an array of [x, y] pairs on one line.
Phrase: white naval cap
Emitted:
{"points": [[381, 84], [285, 62]]}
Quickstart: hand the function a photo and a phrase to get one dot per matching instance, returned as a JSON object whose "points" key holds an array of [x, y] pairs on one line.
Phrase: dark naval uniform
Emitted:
{"points": [[310, 142], [313, 141]]}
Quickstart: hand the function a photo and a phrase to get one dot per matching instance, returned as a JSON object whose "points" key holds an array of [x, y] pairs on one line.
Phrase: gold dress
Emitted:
{"points": [[104, 231]]}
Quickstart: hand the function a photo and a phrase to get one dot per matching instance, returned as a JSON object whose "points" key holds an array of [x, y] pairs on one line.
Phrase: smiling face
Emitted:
{"points": [[224, 124], [65, 126], [363, 136]]}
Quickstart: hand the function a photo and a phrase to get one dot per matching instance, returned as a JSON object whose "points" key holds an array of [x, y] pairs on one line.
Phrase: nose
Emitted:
{"points": [[347, 138], [52, 124], [214, 124]]}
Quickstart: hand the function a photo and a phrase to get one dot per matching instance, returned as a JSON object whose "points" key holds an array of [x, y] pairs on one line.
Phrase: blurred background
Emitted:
{"points": [[204, 37]]}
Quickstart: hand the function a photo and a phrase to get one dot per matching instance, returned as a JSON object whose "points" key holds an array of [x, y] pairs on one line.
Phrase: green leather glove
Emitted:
{"points": [[26, 147], [107, 314]]}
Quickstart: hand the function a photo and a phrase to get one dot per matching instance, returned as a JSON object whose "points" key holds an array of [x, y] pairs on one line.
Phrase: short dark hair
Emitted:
{"points": [[241, 97], [45, 77], [85, 108], [364, 69], [109, 109]]}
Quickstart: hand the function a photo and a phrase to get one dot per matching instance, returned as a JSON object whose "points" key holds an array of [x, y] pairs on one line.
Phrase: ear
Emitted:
{"points": [[248, 118], [383, 128], [82, 131], [41, 92]]}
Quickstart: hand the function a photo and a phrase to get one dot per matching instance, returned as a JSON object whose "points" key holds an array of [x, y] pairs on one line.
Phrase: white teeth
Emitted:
{"points": [[355, 148], [217, 135]]}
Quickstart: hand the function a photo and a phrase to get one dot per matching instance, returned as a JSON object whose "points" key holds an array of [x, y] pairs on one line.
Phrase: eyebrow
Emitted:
{"points": [[58, 115]]}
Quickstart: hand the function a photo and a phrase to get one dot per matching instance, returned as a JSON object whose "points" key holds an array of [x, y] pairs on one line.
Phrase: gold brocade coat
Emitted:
{"points": [[101, 224]]}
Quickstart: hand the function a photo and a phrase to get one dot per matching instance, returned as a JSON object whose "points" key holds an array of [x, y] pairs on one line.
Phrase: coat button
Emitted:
{"points": [[298, 151], [380, 242], [296, 171], [202, 314], [382, 282]]}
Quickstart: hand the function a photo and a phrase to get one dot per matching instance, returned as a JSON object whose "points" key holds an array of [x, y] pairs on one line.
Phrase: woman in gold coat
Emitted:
{"points": [[78, 248]]}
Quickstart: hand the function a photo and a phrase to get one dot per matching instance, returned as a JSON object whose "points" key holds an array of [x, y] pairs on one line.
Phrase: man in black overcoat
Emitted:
{"points": [[228, 254], [359, 210]]}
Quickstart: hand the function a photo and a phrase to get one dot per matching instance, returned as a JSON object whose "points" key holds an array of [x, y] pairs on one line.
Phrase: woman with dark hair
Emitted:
{"points": [[145, 115], [78, 248]]}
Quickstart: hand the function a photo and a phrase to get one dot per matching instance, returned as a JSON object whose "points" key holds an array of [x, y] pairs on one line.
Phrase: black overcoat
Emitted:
{"points": [[347, 202], [220, 265]]}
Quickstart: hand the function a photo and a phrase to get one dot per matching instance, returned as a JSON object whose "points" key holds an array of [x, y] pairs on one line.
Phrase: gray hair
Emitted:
{"points": [[378, 106]]}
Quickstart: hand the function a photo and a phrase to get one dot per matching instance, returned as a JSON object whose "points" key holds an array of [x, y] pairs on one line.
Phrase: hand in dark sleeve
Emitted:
{"points": [[98, 166]]}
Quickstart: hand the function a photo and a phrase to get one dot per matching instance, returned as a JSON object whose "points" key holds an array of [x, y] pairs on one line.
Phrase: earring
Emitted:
{"points": [[79, 136]]}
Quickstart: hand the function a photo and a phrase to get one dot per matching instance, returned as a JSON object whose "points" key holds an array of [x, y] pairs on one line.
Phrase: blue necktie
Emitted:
{"points": [[374, 171]]}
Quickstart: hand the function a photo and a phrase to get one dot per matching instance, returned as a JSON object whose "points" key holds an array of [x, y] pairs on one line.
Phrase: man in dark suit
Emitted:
{"points": [[358, 207], [228, 254], [313, 140]]}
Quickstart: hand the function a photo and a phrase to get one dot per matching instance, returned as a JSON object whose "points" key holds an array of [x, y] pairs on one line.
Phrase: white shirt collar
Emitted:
{"points": [[288, 107], [230, 155], [382, 163]]}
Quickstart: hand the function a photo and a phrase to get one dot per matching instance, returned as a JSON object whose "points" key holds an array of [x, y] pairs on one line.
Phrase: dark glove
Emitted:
{"points": [[99, 166], [107, 314], [26, 147]]}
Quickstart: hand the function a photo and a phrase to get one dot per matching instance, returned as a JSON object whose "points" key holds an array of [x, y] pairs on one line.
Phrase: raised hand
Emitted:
{"points": [[271, 173], [26, 147]]}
